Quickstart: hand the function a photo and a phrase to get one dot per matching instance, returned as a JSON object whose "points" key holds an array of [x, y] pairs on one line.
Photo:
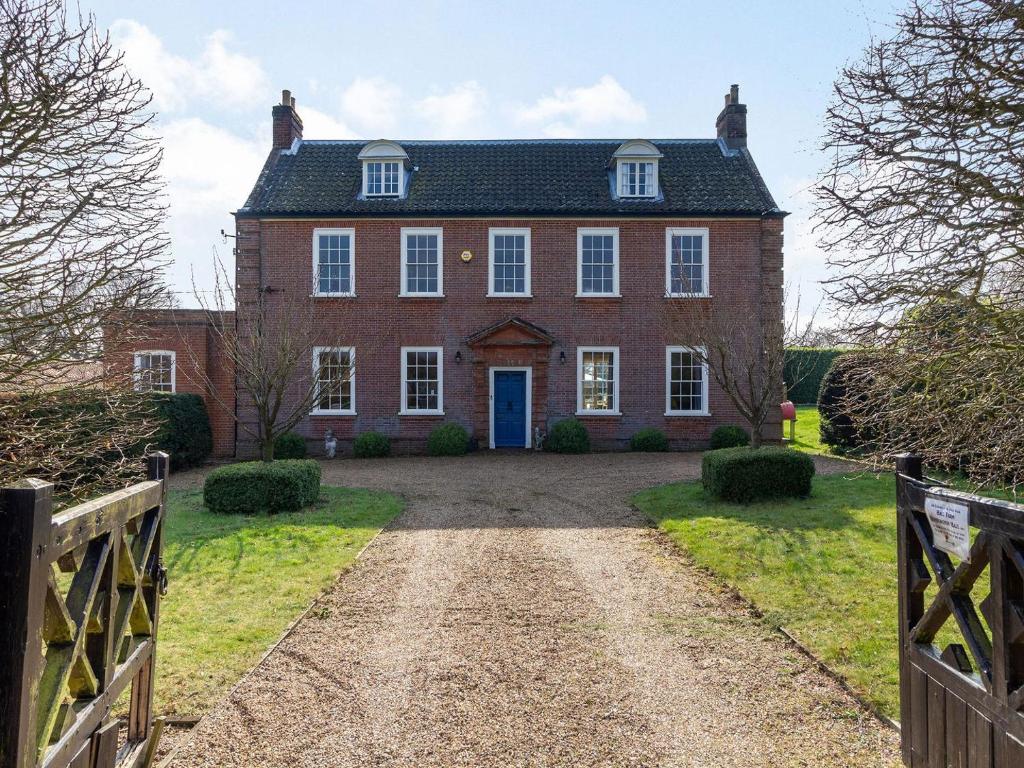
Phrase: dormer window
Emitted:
{"points": [[636, 168], [384, 167], [382, 179]]}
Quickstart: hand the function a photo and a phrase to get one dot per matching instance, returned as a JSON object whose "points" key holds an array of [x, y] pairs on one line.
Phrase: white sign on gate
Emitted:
{"points": [[951, 530]]}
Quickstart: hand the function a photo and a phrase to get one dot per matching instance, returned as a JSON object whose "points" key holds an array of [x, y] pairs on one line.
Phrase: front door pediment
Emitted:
{"points": [[512, 332]]}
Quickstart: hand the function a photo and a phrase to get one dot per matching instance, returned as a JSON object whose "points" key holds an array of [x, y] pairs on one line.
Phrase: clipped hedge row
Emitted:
{"points": [[185, 428], [747, 474], [253, 487], [803, 371]]}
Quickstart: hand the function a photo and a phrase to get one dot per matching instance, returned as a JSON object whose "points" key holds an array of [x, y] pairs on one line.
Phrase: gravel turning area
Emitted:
{"points": [[521, 613]]}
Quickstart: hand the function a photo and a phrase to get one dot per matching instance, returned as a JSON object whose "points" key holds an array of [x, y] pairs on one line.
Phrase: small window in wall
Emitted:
{"points": [[509, 262], [637, 179], [422, 270], [382, 178], [597, 252], [422, 380], [154, 371], [334, 370], [598, 380], [686, 382], [334, 262], [686, 257]]}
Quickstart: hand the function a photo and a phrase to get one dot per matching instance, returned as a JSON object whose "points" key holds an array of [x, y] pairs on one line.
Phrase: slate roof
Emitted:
{"points": [[697, 177]]}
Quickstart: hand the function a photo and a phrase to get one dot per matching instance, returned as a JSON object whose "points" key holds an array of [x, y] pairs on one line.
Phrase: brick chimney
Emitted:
{"points": [[732, 120], [287, 123]]}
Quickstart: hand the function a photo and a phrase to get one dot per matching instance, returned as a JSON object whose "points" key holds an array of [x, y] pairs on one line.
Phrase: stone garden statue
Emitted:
{"points": [[330, 443]]}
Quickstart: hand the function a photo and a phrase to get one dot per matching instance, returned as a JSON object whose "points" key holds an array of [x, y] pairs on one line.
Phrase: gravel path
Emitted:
{"points": [[520, 613]]}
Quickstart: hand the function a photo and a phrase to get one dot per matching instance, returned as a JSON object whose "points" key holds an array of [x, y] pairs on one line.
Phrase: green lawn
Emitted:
{"points": [[237, 582], [808, 438], [823, 567]]}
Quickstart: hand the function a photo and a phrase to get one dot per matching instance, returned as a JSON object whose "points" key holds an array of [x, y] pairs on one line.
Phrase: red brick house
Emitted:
{"points": [[507, 285]]}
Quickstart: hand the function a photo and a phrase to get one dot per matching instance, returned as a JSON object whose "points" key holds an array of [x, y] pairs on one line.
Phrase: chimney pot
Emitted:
{"points": [[287, 123], [731, 125]]}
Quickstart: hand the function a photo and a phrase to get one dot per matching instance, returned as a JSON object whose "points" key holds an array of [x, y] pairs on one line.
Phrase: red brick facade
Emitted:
{"points": [[200, 368], [745, 275]]}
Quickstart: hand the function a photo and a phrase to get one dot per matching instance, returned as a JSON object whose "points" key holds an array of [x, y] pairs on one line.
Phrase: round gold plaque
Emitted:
{"points": [[467, 256]]}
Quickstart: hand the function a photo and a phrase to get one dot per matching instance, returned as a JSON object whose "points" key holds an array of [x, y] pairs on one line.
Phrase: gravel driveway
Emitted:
{"points": [[520, 613]]}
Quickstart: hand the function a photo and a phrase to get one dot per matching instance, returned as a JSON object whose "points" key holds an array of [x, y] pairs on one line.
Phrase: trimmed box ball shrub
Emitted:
{"points": [[568, 436], [449, 439], [371, 445], [253, 487], [729, 436], [290, 445], [747, 474], [649, 439], [184, 430]]}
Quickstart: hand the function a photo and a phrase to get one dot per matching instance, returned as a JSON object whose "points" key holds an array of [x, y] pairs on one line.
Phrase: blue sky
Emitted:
{"points": [[481, 70]]}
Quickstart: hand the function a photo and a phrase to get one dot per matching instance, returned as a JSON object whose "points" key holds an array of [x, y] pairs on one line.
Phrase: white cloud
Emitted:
{"points": [[218, 77], [372, 104], [455, 114], [577, 111], [320, 125]]}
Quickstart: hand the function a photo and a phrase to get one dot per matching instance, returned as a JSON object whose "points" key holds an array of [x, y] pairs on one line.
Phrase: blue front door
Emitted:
{"points": [[509, 409]]}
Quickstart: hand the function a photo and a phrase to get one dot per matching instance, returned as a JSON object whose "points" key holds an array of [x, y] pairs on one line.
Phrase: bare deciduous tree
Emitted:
{"points": [[922, 206], [81, 237], [270, 344]]}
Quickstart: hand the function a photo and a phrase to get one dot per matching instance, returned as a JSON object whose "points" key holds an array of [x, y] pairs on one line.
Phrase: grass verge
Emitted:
{"points": [[237, 582], [823, 567]]}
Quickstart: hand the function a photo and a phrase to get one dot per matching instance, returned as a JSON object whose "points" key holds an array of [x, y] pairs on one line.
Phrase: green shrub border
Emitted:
{"points": [[371, 445], [254, 487], [804, 368], [648, 439], [745, 474], [568, 436]]}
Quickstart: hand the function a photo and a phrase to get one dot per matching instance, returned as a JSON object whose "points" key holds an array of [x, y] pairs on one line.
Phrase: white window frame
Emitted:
{"points": [[702, 353], [617, 375], [317, 410], [580, 233], [671, 232], [137, 368], [637, 160], [500, 231], [351, 260], [382, 161], [439, 411], [406, 231]]}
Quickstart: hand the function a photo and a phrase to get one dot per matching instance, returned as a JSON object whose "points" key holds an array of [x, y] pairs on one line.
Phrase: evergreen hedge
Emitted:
{"points": [[290, 445], [568, 436], [729, 436], [804, 368], [449, 439], [253, 487], [842, 388], [747, 474], [649, 439], [185, 428], [371, 445]]}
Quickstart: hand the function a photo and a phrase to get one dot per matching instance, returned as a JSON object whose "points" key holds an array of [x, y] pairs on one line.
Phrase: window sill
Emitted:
{"points": [[332, 295], [509, 295], [688, 296], [687, 413], [421, 295], [598, 295], [421, 413], [319, 412], [598, 413]]}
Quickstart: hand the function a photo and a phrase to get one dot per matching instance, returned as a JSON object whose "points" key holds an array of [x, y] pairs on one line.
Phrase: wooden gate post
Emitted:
{"points": [[26, 509], [911, 601]]}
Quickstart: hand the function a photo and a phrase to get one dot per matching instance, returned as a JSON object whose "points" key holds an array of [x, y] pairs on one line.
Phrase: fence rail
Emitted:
{"points": [[79, 608], [961, 705]]}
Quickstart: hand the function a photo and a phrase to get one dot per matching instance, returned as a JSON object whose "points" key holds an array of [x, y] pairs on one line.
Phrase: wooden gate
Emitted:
{"points": [[79, 605], [960, 705]]}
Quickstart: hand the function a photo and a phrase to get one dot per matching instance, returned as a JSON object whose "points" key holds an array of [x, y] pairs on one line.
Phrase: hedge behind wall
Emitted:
{"points": [[804, 369]]}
